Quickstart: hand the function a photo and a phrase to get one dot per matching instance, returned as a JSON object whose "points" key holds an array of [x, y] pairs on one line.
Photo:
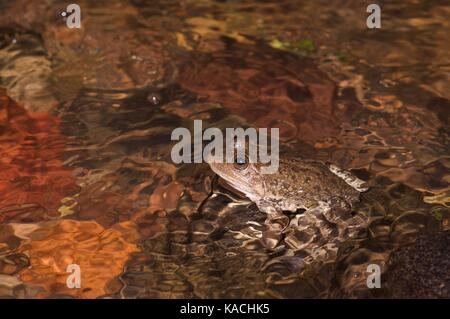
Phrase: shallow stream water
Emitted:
{"points": [[86, 117]]}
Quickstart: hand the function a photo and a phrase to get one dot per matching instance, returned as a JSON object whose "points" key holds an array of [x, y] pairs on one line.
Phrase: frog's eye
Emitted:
{"points": [[240, 163]]}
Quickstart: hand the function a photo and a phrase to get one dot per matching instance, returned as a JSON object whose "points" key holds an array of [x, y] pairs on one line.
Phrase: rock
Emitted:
{"points": [[422, 269]]}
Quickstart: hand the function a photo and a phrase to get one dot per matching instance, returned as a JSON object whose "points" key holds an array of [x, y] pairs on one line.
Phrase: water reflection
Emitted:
{"points": [[86, 118]]}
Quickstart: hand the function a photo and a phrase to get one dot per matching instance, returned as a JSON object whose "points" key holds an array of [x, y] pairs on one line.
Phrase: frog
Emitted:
{"points": [[299, 184]]}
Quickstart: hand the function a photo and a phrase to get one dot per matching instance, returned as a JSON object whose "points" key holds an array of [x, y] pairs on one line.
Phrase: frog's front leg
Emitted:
{"points": [[340, 209], [275, 222]]}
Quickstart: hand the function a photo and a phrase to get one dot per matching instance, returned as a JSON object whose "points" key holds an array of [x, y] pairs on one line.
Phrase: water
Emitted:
{"points": [[86, 116]]}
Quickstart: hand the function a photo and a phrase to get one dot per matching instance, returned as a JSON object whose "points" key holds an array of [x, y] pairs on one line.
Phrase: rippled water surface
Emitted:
{"points": [[86, 117]]}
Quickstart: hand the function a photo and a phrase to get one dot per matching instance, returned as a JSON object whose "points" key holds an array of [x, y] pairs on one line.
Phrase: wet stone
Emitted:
{"points": [[422, 269]]}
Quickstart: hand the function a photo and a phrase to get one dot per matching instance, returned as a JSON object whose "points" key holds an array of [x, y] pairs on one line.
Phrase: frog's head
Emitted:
{"points": [[242, 175]]}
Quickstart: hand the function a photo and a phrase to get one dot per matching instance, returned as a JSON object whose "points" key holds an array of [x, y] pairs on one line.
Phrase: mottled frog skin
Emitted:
{"points": [[298, 184]]}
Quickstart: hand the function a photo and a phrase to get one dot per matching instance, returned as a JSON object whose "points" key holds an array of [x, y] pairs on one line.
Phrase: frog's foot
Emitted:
{"points": [[349, 178], [275, 218], [334, 210], [321, 217], [275, 222], [341, 207], [271, 239]]}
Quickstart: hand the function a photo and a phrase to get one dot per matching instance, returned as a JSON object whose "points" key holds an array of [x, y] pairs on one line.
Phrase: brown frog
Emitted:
{"points": [[298, 184]]}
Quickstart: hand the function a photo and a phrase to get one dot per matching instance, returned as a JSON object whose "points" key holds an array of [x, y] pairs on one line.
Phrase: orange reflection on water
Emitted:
{"points": [[32, 177], [100, 253]]}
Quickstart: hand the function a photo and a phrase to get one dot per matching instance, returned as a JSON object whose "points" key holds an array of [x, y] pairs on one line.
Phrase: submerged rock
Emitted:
{"points": [[422, 269]]}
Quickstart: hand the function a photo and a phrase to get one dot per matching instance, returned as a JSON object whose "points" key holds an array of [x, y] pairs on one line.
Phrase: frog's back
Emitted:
{"points": [[307, 182]]}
